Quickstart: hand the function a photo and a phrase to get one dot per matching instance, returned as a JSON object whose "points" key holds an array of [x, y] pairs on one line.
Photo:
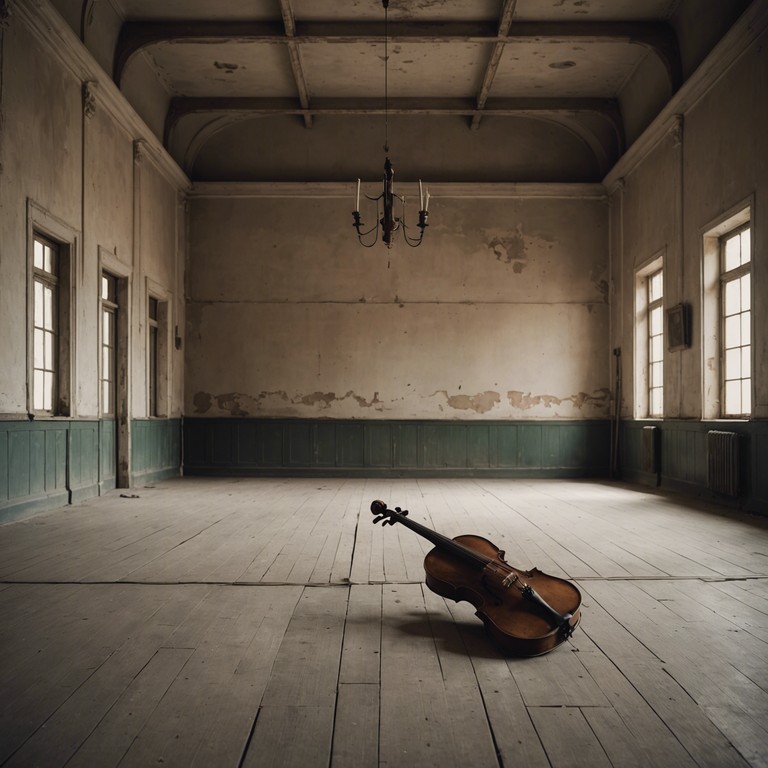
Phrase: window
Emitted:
{"points": [[108, 343], [152, 367], [158, 359], [655, 379], [46, 325], [736, 323], [649, 339]]}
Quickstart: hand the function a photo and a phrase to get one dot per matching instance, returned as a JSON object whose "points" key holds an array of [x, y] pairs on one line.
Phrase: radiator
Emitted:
{"points": [[723, 462], [651, 449]]}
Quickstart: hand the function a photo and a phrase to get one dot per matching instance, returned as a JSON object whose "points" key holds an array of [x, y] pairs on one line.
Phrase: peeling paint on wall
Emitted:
{"points": [[238, 404], [525, 400], [480, 403]]}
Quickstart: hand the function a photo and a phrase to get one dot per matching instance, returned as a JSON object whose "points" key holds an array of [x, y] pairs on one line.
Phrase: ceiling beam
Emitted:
{"points": [[657, 36], [289, 22], [493, 62]]}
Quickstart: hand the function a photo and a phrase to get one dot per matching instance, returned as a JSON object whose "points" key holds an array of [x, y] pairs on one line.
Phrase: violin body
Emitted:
{"points": [[526, 613], [515, 624]]}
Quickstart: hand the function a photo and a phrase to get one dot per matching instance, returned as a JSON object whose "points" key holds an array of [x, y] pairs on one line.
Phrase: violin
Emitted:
{"points": [[526, 613]]}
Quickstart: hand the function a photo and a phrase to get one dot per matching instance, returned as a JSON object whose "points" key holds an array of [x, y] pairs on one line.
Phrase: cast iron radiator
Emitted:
{"points": [[723, 462], [651, 449]]}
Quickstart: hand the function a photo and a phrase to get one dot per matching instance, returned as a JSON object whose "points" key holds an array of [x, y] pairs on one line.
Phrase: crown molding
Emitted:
{"points": [[734, 44], [346, 189], [50, 29]]}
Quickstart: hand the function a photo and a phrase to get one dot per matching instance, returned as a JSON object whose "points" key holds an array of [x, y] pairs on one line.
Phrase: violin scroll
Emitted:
{"points": [[388, 516]]}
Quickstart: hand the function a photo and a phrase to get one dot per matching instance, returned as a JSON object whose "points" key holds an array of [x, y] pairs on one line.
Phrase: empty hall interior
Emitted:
{"points": [[498, 264]]}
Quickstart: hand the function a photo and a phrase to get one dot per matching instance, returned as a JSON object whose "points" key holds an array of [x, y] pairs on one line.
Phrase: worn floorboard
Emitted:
{"points": [[268, 622]]}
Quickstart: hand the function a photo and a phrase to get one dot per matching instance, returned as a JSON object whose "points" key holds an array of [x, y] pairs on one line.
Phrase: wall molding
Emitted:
{"points": [[460, 190], [734, 44], [58, 39]]}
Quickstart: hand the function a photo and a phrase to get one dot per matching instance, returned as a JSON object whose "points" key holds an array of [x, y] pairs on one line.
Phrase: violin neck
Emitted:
{"points": [[446, 544]]}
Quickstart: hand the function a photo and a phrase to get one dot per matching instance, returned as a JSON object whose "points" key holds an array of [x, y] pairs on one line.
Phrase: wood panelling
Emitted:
{"points": [[266, 446], [683, 458], [155, 449], [52, 462]]}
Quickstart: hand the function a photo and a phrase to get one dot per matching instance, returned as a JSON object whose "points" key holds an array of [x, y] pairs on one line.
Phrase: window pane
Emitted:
{"points": [[106, 360], [746, 362], [104, 287], [657, 348], [656, 402], [38, 304], [39, 345], [732, 397], [657, 374], [655, 321], [746, 318], [732, 331], [48, 308], [746, 396], [49, 351], [47, 391], [38, 391], [732, 297], [746, 292], [49, 263], [732, 256], [746, 247], [38, 254], [106, 404], [655, 286], [107, 328], [733, 363]]}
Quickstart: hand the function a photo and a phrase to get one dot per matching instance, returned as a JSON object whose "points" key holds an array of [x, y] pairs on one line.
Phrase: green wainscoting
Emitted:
{"points": [[47, 463], [683, 459], [396, 448], [155, 450]]}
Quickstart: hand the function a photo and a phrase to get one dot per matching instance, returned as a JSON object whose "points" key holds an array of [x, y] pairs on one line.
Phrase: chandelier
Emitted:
{"points": [[389, 222]]}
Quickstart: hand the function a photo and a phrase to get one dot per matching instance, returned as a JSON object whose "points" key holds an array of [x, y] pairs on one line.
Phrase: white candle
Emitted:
{"points": [[426, 203], [357, 199], [421, 197]]}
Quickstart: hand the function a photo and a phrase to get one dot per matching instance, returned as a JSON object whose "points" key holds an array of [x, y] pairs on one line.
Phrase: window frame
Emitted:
{"points": [[158, 396], [109, 305], [654, 304], [44, 327], [729, 276], [43, 226], [737, 217], [642, 337]]}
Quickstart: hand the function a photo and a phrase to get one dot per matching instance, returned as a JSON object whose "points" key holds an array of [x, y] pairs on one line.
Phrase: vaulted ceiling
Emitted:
{"points": [[496, 90]]}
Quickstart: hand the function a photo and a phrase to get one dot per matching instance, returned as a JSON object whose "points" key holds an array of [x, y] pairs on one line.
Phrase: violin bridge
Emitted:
{"points": [[509, 580]]}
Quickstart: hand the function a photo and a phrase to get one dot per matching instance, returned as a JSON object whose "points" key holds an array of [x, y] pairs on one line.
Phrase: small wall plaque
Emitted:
{"points": [[679, 327]]}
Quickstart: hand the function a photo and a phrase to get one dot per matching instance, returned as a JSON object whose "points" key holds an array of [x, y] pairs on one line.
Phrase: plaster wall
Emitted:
{"points": [[664, 204], [40, 156], [501, 313], [76, 167]]}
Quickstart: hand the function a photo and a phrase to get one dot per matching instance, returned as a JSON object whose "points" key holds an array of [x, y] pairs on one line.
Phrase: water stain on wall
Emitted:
{"points": [[511, 249]]}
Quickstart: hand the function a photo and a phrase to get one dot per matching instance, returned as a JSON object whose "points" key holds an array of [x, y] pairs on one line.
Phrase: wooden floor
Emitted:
{"points": [[258, 622]]}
